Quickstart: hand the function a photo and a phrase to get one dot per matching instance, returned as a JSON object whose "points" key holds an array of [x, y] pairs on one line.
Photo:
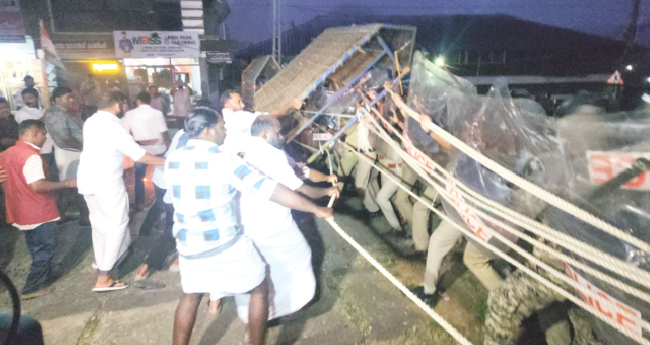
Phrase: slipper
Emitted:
{"points": [[112, 287]]}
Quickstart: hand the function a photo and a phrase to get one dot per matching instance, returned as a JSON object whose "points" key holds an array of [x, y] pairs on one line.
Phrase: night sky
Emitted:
{"points": [[250, 20]]}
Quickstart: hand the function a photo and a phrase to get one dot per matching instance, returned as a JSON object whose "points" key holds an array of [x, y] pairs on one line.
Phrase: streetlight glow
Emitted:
{"points": [[440, 61], [629, 68]]}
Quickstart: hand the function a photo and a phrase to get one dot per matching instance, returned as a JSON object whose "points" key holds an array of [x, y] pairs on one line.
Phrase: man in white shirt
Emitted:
{"points": [[105, 143], [182, 101], [157, 100], [149, 129], [18, 97], [239, 121], [33, 111], [272, 228]]}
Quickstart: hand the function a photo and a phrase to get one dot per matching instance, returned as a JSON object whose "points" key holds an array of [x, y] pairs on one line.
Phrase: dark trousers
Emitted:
{"points": [[69, 197], [140, 173], [41, 243], [164, 243], [180, 122]]}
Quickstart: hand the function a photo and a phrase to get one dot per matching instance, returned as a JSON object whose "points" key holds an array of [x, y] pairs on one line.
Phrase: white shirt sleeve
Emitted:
{"points": [[125, 143], [283, 173], [33, 169]]}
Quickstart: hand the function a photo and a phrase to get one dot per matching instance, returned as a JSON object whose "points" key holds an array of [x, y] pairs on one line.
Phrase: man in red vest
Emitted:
{"points": [[30, 204]]}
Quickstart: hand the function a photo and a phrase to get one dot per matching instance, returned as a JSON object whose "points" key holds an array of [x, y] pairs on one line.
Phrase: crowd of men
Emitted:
{"points": [[226, 187], [211, 185]]}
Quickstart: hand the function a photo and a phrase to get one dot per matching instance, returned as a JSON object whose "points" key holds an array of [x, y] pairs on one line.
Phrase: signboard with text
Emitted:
{"points": [[218, 57], [322, 136], [83, 49], [152, 44]]}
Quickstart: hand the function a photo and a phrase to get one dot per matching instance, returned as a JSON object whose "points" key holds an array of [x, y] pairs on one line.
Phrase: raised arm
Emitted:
{"points": [[295, 104]]}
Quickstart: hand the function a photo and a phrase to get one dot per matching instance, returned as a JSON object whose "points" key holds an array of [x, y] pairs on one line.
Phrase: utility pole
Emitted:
{"points": [[629, 36], [276, 50]]}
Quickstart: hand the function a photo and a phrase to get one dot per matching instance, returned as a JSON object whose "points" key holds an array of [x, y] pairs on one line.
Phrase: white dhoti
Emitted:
{"points": [[288, 256], [67, 162], [233, 271], [109, 217]]}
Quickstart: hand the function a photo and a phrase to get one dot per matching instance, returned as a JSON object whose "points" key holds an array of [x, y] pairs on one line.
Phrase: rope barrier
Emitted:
{"points": [[592, 254], [512, 261], [443, 192], [525, 185], [480, 203]]}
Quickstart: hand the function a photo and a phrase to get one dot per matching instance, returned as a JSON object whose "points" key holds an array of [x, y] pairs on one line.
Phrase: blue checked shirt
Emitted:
{"points": [[203, 182]]}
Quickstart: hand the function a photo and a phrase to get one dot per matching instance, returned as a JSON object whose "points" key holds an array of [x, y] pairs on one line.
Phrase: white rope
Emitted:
{"points": [[439, 319], [517, 264], [585, 250], [528, 186], [577, 264], [443, 192], [518, 219], [426, 308]]}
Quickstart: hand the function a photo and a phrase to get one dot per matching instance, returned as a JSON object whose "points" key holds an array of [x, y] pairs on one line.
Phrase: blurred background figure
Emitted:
{"points": [[90, 91]]}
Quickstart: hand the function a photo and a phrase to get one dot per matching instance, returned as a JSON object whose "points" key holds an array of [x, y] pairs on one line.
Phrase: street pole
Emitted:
{"points": [[49, 11], [276, 50]]}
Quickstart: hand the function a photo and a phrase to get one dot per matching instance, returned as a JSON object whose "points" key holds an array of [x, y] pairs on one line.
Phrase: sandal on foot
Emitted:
{"points": [[113, 287]]}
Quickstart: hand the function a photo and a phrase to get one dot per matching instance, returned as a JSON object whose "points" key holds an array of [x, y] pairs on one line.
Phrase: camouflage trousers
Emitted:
{"points": [[518, 297]]}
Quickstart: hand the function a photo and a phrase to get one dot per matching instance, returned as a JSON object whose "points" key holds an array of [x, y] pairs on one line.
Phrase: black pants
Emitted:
{"points": [[164, 243], [41, 243], [140, 173], [180, 122], [70, 197]]}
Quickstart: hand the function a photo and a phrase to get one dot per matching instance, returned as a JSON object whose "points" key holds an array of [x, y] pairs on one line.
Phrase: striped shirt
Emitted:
{"points": [[204, 182]]}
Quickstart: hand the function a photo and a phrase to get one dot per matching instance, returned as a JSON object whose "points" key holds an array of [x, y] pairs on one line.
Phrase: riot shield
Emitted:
{"points": [[600, 148]]}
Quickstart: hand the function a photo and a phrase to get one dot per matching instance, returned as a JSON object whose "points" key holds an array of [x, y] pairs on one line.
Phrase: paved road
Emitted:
{"points": [[356, 305]]}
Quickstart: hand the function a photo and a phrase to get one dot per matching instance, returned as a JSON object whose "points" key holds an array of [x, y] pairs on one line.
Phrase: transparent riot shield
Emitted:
{"points": [[600, 148]]}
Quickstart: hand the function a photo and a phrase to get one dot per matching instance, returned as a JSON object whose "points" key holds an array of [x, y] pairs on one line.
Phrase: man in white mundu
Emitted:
{"points": [[99, 179], [272, 228]]}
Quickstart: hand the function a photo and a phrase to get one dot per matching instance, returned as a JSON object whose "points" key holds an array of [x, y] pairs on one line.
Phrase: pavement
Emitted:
{"points": [[356, 304]]}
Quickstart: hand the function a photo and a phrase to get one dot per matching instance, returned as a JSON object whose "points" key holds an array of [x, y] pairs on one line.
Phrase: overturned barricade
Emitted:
{"points": [[335, 62]]}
